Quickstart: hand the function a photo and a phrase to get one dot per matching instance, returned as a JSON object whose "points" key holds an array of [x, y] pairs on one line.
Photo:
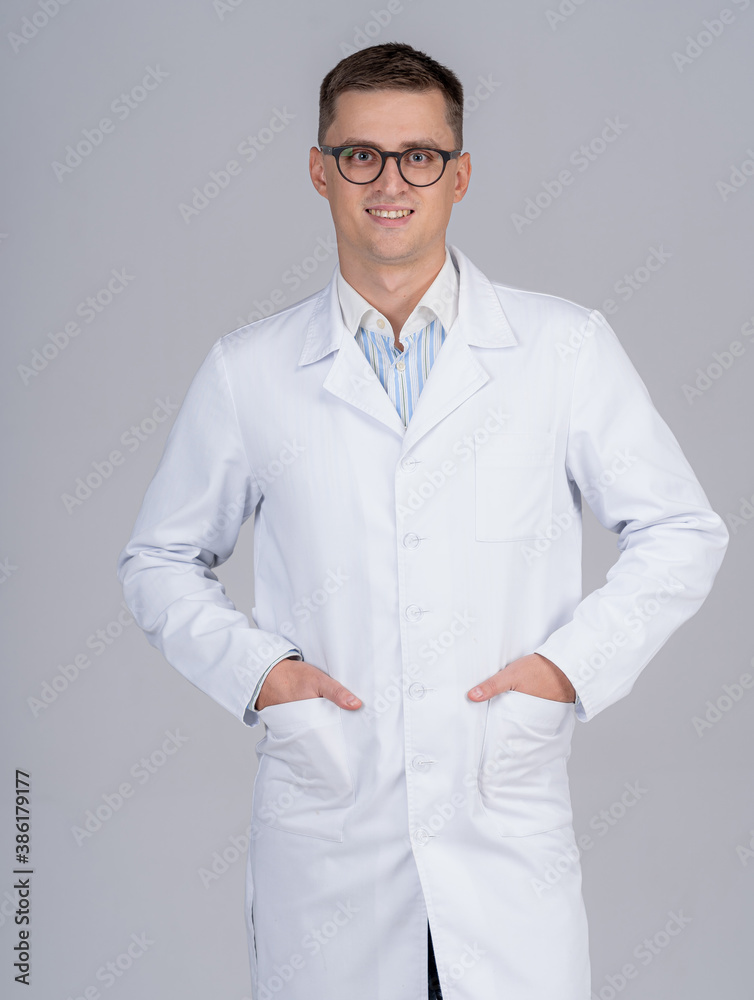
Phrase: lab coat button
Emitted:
{"points": [[411, 540], [420, 763], [408, 464], [421, 836], [414, 613], [416, 691]]}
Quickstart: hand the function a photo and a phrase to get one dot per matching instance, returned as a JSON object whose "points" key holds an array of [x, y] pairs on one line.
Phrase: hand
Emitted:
{"points": [[532, 674], [297, 680]]}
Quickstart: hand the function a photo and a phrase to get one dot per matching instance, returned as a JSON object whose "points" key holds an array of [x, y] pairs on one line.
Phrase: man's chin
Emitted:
{"points": [[391, 247]]}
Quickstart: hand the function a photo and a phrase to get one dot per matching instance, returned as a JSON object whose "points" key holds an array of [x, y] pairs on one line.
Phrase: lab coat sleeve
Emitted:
{"points": [[200, 495], [631, 470]]}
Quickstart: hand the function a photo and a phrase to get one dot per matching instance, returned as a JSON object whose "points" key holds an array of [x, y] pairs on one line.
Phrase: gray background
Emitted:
{"points": [[550, 87]]}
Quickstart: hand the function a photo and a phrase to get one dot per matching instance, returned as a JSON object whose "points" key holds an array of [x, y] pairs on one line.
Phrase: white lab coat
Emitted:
{"points": [[410, 564]]}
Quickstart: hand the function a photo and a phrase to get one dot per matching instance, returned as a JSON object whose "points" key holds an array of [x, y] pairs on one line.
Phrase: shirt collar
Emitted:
{"points": [[440, 301]]}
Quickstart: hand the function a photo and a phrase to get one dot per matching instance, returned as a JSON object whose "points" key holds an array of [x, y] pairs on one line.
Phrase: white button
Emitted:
{"points": [[414, 612], [416, 691], [400, 366], [381, 323], [411, 540], [421, 836], [408, 464], [420, 763]]}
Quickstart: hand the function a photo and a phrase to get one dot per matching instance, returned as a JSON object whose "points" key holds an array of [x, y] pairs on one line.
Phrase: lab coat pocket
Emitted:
{"points": [[304, 784], [514, 485], [523, 779]]}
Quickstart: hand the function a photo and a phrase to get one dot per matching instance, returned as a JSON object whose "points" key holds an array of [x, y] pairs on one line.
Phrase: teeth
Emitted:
{"points": [[389, 215]]}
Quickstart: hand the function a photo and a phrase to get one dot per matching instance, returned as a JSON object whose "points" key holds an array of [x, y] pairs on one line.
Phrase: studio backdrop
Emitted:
{"points": [[156, 195]]}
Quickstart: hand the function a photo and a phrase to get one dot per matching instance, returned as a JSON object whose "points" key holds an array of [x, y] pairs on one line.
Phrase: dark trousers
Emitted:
{"points": [[434, 982]]}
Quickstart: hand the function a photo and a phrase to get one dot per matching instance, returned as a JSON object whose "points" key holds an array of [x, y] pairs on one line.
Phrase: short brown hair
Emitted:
{"points": [[391, 66]]}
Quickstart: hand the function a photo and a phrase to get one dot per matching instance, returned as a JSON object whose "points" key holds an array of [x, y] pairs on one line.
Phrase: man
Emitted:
{"points": [[415, 441]]}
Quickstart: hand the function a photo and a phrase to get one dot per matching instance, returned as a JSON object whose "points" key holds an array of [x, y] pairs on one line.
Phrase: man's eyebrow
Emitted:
{"points": [[409, 144]]}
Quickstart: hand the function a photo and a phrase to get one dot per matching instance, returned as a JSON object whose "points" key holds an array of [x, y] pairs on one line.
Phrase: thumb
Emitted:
{"points": [[338, 693]]}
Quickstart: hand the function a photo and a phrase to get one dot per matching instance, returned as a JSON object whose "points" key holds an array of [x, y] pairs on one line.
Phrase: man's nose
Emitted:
{"points": [[391, 175]]}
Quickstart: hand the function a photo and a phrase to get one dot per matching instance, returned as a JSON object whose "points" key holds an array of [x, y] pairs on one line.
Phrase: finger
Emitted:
{"points": [[492, 686], [339, 693]]}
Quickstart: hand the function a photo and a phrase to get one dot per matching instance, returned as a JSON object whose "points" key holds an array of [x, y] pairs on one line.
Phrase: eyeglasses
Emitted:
{"points": [[364, 164]]}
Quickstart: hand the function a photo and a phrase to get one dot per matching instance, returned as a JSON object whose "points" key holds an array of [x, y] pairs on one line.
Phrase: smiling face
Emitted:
{"points": [[396, 120]]}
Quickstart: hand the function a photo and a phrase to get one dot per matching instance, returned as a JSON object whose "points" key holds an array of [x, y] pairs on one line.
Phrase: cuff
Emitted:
{"points": [[291, 654]]}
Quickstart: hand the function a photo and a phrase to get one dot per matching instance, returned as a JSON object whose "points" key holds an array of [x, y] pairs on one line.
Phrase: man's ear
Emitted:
{"points": [[317, 170]]}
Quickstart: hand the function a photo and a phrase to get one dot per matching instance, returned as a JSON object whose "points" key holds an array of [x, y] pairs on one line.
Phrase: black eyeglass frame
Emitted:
{"points": [[444, 153]]}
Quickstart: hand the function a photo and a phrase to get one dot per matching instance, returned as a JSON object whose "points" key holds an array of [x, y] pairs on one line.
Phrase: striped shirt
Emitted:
{"points": [[403, 373]]}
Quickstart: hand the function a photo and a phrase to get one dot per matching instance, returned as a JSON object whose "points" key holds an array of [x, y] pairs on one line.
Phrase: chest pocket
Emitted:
{"points": [[514, 485], [303, 784]]}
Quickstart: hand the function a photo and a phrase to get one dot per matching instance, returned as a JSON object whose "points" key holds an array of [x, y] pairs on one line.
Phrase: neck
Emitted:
{"points": [[393, 288]]}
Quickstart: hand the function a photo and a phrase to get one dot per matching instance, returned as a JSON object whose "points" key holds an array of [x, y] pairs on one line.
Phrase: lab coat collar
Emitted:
{"points": [[440, 301], [457, 372], [481, 320]]}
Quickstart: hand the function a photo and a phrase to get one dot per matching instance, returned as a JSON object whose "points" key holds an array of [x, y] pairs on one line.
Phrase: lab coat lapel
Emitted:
{"points": [[350, 377], [456, 373]]}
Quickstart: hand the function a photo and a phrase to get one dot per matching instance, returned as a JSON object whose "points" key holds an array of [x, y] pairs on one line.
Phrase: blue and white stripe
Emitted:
{"points": [[402, 373]]}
